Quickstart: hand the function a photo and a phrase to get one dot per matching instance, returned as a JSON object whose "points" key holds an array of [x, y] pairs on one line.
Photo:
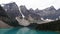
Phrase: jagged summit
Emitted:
{"points": [[13, 11], [50, 8], [47, 13]]}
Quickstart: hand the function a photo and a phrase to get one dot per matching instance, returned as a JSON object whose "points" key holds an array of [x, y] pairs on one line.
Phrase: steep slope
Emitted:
{"points": [[7, 19], [11, 9]]}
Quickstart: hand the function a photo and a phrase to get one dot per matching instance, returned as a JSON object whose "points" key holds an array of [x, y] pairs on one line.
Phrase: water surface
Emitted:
{"points": [[24, 30]]}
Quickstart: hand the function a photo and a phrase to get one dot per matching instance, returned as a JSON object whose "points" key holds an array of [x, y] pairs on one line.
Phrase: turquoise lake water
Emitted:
{"points": [[24, 30]]}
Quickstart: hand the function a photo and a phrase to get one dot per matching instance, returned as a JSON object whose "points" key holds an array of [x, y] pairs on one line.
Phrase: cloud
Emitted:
{"points": [[41, 4]]}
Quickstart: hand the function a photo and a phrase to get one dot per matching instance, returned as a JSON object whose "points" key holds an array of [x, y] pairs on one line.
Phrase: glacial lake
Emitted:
{"points": [[24, 30]]}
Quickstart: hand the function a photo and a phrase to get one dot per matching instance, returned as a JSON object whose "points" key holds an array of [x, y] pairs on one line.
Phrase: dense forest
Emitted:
{"points": [[52, 26]]}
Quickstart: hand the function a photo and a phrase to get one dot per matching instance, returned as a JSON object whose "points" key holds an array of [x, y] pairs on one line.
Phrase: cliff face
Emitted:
{"points": [[11, 9], [3, 14], [7, 19]]}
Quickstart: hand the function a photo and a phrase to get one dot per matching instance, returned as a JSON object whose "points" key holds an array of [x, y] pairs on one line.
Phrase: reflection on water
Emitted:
{"points": [[24, 30]]}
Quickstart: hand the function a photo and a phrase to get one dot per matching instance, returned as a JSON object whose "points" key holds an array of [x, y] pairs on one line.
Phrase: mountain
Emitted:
{"points": [[24, 10], [50, 12], [11, 9], [34, 15], [47, 13], [2, 12], [28, 13], [7, 19], [58, 13]]}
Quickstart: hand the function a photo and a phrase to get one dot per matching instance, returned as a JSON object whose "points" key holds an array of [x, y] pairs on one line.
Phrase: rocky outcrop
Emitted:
{"points": [[2, 12], [7, 19], [28, 13], [11, 9]]}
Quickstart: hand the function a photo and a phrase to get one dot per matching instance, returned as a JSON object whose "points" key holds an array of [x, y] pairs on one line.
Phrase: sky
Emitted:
{"points": [[40, 4]]}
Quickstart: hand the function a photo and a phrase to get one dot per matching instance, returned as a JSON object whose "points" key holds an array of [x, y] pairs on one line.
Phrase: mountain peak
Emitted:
{"points": [[50, 8]]}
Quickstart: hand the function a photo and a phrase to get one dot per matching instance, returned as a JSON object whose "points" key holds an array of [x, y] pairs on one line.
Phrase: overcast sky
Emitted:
{"points": [[41, 4]]}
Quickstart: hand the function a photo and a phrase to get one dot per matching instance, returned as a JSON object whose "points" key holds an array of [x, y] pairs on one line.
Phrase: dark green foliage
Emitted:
{"points": [[53, 26]]}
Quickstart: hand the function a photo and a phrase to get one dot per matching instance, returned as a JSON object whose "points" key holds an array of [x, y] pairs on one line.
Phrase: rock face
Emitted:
{"points": [[2, 12], [48, 13], [30, 12], [52, 26], [7, 19], [24, 10], [12, 9]]}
